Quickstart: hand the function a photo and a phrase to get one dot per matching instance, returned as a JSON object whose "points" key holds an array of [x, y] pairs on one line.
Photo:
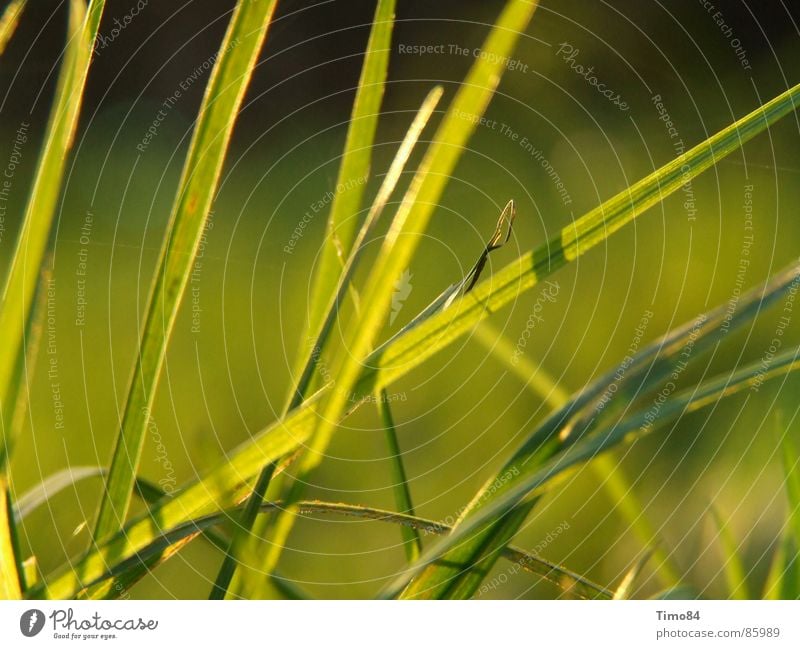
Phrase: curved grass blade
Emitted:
{"points": [[355, 166], [400, 244], [554, 441], [9, 21], [185, 532], [229, 80]]}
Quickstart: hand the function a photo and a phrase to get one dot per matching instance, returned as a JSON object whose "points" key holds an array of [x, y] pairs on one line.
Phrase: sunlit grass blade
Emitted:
{"points": [[9, 21], [243, 527], [610, 475], [402, 493], [170, 541], [401, 241], [21, 285], [625, 588], [320, 338], [735, 573], [355, 167], [229, 80], [554, 441]]}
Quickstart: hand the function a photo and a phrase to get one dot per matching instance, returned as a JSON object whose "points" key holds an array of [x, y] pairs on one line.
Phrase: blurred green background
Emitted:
{"points": [[462, 413]]}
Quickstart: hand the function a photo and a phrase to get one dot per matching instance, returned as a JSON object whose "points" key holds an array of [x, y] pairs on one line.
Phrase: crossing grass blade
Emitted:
{"points": [[224, 93], [735, 574], [21, 285], [355, 166], [399, 245], [554, 445], [407, 352], [9, 21]]}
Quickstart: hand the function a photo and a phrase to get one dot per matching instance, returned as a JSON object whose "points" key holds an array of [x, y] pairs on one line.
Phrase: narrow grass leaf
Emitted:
{"points": [[735, 573], [355, 167], [198, 184], [9, 21], [625, 588], [21, 285], [402, 493]]}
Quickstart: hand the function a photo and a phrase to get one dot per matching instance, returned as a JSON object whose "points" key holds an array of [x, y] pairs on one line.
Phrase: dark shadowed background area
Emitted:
{"points": [[552, 142]]}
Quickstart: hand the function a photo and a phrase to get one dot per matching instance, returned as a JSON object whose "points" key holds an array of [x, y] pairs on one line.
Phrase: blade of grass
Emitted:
{"points": [[402, 493], [355, 165], [188, 530], [735, 573], [652, 365], [611, 476], [245, 524], [389, 184], [411, 349], [9, 21], [20, 289], [624, 589], [223, 97], [400, 243], [783, 581]]}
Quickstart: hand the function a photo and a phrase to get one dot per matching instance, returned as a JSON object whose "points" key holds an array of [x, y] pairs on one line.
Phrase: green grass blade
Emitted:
{"points": [[402, 493], [783, 581], [245, 524], [355, 166], [218, 112], [22, 283], [735, 573], [174, 539], [401, 241], [10, 581], [9, 21], [545, 447], [625, 588], [611, 477], [403, 354], [385, 192]]}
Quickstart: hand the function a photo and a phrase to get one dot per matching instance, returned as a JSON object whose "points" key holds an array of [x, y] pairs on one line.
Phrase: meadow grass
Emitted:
{"points": [[282, 456]]}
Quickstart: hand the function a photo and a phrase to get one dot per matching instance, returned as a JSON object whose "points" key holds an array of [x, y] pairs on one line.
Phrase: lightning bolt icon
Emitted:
{"points": [[32, 620]]}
